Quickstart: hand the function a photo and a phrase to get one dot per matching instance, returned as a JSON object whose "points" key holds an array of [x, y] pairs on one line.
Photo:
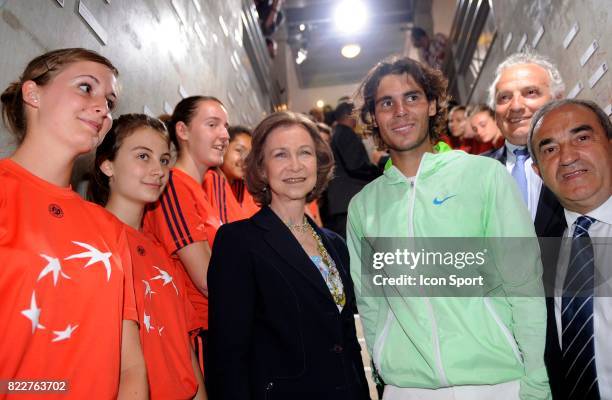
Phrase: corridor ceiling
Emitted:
{"points": [[384, 34]]}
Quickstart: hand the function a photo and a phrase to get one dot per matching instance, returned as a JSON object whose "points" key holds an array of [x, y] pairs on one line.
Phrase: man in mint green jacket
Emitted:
{"points": [[461, 347]]}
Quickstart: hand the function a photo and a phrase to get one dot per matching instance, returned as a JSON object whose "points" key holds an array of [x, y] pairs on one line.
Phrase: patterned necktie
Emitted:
{"points": [[577, 316], [518, 172]]}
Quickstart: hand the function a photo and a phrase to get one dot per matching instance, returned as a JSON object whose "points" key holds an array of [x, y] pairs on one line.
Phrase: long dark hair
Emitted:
{"points": [[123, 127], [184, 112]]}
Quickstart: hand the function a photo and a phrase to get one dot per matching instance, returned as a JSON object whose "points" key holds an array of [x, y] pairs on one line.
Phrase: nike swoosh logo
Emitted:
{"points": [[437, 202]]}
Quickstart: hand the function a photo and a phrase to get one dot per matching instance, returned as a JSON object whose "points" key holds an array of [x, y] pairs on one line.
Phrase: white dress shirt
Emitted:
{"points": [[601, 232], [534, 183]]}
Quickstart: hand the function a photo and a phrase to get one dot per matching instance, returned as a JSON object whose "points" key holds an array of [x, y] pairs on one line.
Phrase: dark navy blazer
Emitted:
{"points": [[274, 329]]}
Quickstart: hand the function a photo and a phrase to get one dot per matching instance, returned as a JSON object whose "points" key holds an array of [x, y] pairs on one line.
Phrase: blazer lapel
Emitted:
{"points": [[550, 220], [501, 155], [280, 239]]}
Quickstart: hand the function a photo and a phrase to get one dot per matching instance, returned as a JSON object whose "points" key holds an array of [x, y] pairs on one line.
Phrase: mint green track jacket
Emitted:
{"points": [[436, 342]]}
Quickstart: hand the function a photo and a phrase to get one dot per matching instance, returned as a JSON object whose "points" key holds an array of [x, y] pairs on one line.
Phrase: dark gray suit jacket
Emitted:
{"points": [[353, 169], [549, 223], [550, 220]]}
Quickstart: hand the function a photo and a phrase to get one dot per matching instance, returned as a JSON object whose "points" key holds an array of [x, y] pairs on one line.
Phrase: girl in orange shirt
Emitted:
{"points": [[68, 310], [131, 170], [182, 220], [224, 186]]}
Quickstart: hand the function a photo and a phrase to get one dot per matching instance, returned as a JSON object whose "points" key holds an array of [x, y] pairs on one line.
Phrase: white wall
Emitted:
{"points": [[443, 12], [155, 48]]}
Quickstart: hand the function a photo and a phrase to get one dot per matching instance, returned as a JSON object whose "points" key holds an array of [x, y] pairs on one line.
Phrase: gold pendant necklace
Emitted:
{"points": [[302, 228], [335, 282]]}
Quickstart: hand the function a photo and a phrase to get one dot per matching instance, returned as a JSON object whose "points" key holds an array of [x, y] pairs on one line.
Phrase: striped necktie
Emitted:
{"points": [[578, 340]]}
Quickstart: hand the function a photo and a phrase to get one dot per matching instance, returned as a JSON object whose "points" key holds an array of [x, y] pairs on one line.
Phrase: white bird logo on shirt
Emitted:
{"points": [[94, 256], [148, 290], [54, 267], [165, 277], [33, 313], [147, 321], [65, 334]]}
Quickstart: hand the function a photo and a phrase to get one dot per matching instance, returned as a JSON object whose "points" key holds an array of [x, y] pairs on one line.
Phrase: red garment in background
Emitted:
{"points": [[229, 202]]}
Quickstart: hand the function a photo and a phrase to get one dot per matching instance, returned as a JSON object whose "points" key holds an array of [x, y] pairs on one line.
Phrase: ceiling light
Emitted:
{"points": [[320, 103], [351, 50], [301, 56], [302, 27], [350, 16]]}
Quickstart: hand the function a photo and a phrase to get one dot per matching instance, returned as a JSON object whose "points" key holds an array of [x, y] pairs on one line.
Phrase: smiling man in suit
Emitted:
{"points": [[571, 145], [523, 83]]}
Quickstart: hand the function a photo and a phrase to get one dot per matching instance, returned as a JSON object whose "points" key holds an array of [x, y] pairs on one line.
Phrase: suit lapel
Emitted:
{"points": [[282, 242], [501, 155], [549, 221]]}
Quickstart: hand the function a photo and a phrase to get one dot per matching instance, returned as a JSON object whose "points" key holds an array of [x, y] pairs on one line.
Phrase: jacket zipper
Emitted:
{"points": [[380, 342], [504, 330], [434, 325]]}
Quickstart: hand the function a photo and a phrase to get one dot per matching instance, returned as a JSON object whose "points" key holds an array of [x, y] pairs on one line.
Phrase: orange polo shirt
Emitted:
{"points": [[66, 285], [163, 308], [245, 199], [229, 202], [182, 216]]}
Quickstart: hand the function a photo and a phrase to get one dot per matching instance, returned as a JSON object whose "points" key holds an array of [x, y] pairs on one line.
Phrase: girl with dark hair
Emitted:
{"points": [[224, 186], [68, 307], [182, 220], [131, 171]]}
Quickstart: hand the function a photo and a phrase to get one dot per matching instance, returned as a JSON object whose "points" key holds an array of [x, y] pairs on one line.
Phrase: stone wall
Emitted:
{"points": [[556, 17], [164, 49]]}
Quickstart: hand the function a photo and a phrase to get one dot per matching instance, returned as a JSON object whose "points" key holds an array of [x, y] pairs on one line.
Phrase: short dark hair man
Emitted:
{"points": [[432, 347], [571, 145], [353, 169], [432, 51]]}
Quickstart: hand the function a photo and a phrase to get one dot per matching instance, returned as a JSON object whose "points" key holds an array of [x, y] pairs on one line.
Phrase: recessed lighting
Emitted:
{"points": [[351, 50], [301, 56], [320, 103], [302, 27], [350, 16]]}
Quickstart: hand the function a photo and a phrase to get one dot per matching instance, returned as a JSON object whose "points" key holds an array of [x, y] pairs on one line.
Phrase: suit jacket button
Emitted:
{"points": [[337, 349], [270, 385]]}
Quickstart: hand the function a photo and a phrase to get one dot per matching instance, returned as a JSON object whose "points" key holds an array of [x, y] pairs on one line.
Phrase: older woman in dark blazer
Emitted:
{"points": [[281, 300]]}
